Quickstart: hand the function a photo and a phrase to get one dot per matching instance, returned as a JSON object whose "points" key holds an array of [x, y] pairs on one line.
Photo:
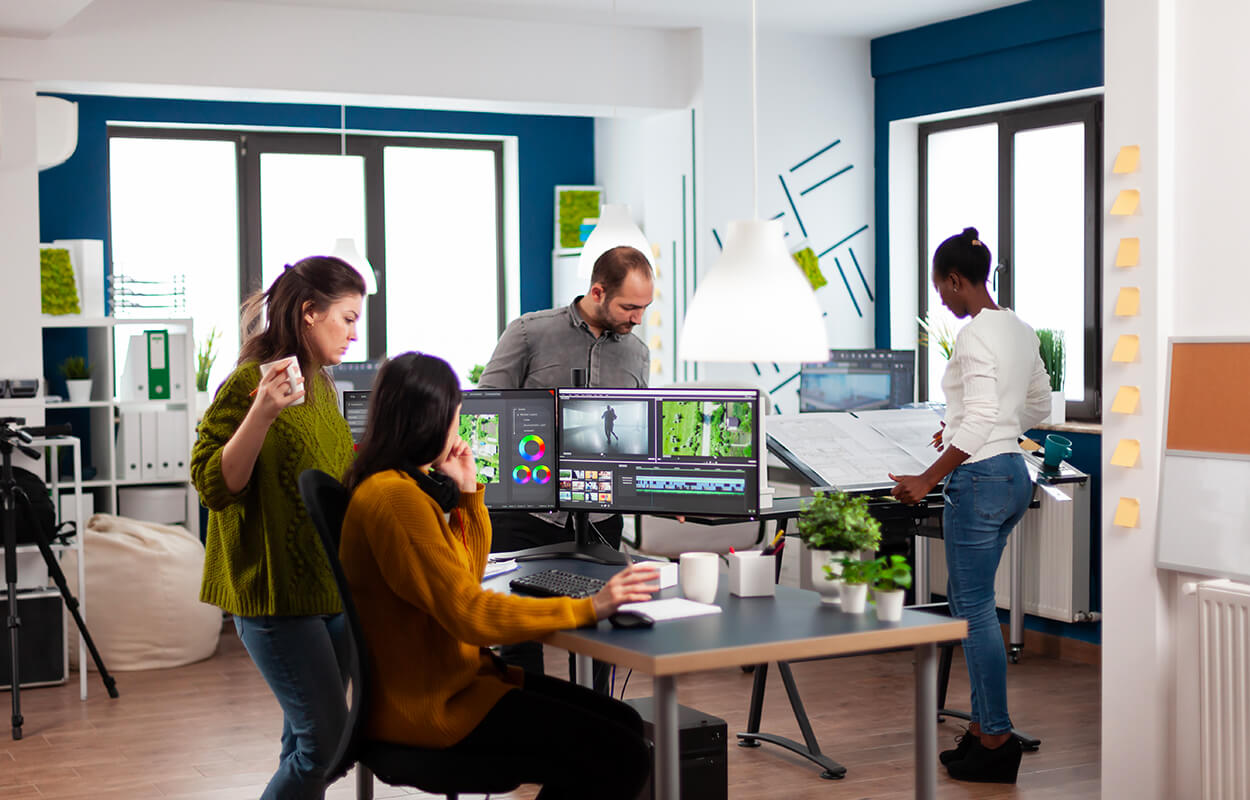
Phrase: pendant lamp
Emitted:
{"points": [[755, 304], [615, 228], [345, 247]]}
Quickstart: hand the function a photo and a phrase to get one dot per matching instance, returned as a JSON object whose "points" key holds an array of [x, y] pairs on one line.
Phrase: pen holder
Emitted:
{"points": [[752, 574]]}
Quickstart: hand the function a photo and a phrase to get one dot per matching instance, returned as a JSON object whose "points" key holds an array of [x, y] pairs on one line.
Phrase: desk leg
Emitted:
{"points": [[926, 722], [667, 755], [1016, 628], [584, 667]]}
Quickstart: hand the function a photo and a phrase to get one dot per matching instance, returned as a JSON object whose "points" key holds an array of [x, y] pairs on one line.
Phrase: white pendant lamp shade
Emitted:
{"points": [[56, 129], [345, 248], [755, 304], [614, 229]]}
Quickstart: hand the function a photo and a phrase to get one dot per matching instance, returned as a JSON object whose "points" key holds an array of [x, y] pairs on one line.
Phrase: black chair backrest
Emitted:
{"points": [[326, 501]]}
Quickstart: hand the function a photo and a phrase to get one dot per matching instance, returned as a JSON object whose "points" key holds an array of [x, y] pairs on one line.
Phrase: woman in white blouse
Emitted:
{"points": [[995, 388]]}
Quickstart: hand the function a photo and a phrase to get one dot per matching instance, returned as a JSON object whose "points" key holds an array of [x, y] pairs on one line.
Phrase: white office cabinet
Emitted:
{"points": [[133, 440]]}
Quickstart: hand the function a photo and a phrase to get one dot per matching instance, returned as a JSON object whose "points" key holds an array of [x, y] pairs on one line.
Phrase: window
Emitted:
{"points": [[1028, 180], [245, 203]]}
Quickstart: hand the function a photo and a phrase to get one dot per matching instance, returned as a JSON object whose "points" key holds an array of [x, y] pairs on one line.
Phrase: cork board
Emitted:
{"points": [[1208, 407]]}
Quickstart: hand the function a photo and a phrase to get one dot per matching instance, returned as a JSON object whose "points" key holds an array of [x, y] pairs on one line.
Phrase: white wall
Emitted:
{"points": [[813, 90], [1174, 85], [389, 56], [21, 354]]}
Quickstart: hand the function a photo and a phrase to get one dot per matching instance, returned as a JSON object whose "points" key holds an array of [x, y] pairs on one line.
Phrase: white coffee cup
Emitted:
{"points": [[292, 374], [698, 574]]}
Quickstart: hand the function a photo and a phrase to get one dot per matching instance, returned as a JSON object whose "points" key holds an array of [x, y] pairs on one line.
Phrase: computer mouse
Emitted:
{"points": [[630, 619]]}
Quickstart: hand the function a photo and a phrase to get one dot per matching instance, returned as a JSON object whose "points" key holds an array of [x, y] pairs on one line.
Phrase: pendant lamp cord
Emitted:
{"points": [[755, 148]]}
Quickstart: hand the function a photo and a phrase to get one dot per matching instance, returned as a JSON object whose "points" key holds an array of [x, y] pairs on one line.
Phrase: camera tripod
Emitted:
{"points": [[13, 435]]}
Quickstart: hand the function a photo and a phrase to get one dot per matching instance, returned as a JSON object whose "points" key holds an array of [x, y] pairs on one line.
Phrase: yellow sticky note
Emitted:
{"points": [[1128, 301], [1125, 349], [1127, 512], [1128, 253], [1028, 445], [657, 367], [655, 320], [1126, 400], [657, 343], [1128, 159], [1126, 453], [1126, 203]]}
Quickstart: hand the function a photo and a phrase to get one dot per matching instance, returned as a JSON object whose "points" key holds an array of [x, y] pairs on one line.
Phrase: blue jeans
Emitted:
{"points": [[984, 501], [304, 661]]}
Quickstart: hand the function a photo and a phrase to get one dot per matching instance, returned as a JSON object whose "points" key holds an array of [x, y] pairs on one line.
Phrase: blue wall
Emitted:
{"points": [[1032, 49], [73, 197]]}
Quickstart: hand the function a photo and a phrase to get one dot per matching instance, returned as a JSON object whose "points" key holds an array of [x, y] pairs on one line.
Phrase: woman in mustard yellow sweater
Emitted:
{"points": [[414, 547]]}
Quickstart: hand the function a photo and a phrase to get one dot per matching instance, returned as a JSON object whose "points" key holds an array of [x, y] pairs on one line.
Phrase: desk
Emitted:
{"points": [[791, 626]]}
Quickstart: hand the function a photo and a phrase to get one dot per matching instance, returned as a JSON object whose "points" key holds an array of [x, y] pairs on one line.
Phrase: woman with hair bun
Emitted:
{"points": [[996, 387], [263, 560]]}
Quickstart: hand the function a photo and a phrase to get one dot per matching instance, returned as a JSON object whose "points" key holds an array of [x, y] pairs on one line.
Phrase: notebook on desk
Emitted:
{"points": [[671, 608]]}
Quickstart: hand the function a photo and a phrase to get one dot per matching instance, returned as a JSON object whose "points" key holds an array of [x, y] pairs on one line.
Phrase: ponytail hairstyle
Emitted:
{"points": [[411, 408], [964, 254], [272, 321]]}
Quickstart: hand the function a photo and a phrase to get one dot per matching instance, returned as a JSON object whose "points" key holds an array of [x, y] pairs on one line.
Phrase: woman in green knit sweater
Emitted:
{"points": [[414, 545], [263, 561]]}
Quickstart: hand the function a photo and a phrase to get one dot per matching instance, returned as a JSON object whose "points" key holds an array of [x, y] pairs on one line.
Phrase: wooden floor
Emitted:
{"points": [[210, 730]]}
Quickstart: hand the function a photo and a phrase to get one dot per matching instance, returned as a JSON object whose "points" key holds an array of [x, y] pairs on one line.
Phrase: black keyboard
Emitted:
{"points": [[557, 583]]}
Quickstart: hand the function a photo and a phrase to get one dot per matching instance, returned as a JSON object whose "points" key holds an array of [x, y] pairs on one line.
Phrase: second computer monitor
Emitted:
{"points": [[512, 433], [858, 380], [674, 451]]}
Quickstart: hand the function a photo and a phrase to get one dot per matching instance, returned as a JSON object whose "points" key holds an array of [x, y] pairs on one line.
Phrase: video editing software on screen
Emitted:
{"points": [[676, 451], [858, 380], [512, 433], [356, 412]]}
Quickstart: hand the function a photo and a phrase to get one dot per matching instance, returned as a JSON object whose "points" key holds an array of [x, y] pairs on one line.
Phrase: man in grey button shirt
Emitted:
{"points": [[540, 350]]}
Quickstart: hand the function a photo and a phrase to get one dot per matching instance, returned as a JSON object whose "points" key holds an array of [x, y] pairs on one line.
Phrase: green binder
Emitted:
{"points": [[158, 364]]}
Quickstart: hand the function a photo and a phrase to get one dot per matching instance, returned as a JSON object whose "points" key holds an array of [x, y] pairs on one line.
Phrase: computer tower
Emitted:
{"points": [[41, 640], [703, 750]]}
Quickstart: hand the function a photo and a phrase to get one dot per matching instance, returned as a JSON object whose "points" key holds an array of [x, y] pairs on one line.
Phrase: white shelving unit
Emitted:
{"points": [[107, 337]]}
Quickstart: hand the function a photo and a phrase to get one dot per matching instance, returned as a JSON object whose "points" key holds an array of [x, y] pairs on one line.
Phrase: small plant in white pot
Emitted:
{"points": [[892, 577], [833, 526], [855, 576], [1054, 360], [77, 379]]}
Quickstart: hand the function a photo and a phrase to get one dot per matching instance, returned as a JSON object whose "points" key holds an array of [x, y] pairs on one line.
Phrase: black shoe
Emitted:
{"points": [[964, 743], [983, 765]]}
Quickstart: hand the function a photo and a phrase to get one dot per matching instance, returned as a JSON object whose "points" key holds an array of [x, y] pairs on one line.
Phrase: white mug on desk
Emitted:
{"points": [[699, 574]]}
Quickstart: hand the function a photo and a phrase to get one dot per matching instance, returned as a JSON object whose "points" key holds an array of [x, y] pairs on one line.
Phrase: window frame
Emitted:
{"points": [[1087, 110], [251, 144]]}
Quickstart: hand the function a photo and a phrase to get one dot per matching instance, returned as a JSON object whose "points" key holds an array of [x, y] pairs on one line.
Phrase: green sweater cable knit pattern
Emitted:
{"points": [[262, 554]]}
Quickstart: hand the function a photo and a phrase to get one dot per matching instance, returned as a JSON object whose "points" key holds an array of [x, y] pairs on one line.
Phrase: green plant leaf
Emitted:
{"points": [[838, 521]]}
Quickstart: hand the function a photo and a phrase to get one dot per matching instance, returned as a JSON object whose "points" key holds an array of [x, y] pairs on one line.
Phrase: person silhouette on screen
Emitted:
{"points": [[609, 422]]}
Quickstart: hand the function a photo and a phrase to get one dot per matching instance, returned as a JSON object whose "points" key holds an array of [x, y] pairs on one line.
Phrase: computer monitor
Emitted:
{"points": [[512, 433], [356, 412], [355, 375], [858, 380], [663, 451]]}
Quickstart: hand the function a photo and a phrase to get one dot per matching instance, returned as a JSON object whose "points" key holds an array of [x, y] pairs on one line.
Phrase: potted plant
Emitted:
{"points": [[77, 379], [204, 360], [475, 374], [937, 332], [1054, 359], [833, 526], [855, 575], [893, 575]]}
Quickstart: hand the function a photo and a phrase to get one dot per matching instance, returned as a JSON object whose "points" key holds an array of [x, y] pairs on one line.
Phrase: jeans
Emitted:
{"points": [[304, 661], [984, 501], [576, 743]]}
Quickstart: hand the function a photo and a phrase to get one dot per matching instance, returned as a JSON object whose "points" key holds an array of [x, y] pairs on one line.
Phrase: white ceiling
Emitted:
{"points": [[41, 18]]}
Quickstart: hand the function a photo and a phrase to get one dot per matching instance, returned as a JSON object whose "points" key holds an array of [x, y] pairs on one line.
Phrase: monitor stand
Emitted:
{"points": [[581, 548]]}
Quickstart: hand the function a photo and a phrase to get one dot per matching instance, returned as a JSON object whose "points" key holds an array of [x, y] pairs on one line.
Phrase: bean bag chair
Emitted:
{"points": [[143, 595]]}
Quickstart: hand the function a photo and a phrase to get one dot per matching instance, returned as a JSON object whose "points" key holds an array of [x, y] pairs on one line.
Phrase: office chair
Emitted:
{"points": [[430, 770]]}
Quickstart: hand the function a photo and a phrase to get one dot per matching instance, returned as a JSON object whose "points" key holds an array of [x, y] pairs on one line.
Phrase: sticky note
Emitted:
{"points": [[1126, 400], [1126, 203], [657, 343], [1125, 349], [1127, 512], [657, 367], [1128, 159], [1028, 445], [656, 320], [1128, 301], [1126, 453], [1128, 253]]}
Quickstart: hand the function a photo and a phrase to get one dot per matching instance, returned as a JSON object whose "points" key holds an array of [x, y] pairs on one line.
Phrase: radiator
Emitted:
{"points": [[1055, 542], [1224, 701]]}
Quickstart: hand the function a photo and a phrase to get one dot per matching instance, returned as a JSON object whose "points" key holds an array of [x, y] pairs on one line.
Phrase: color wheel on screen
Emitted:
{"points": [[521, 474], [542, 475], [531, 448]]}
